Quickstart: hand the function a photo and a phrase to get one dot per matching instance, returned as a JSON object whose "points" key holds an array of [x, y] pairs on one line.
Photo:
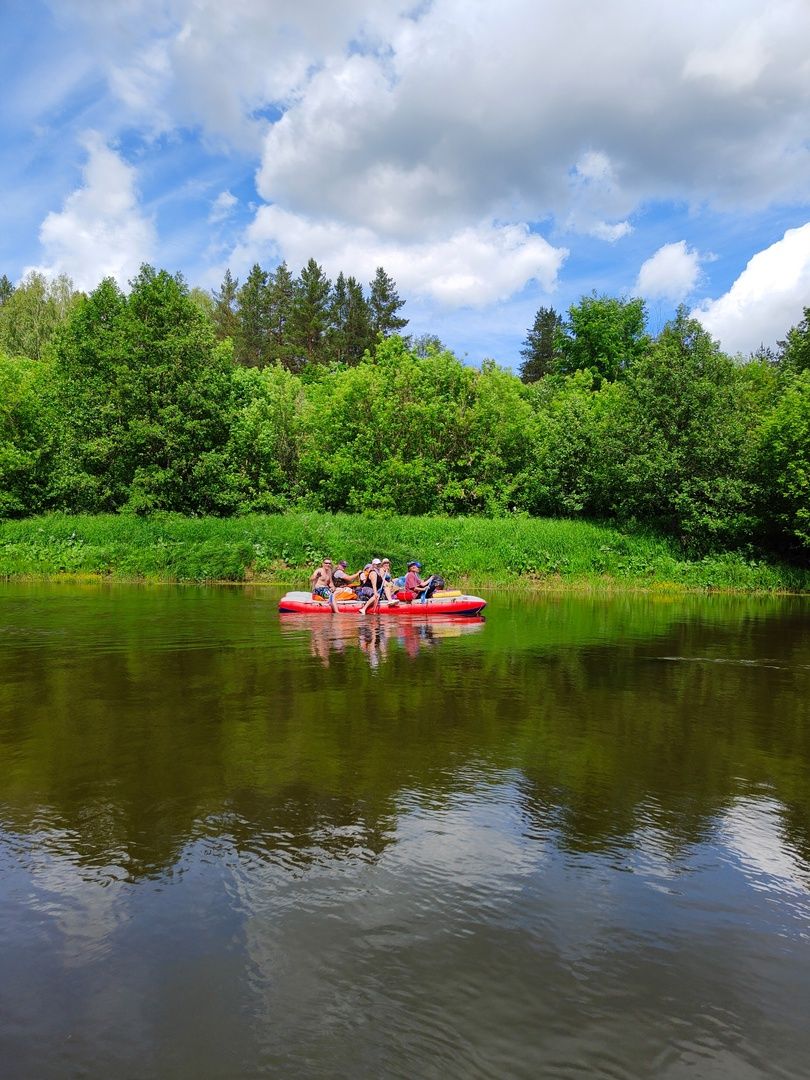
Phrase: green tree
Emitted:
{"points": [[604, 335], [541, 345], [782, 468], [253, 316], [281, 290], [384, 303], [309, 317], [32, 313], [27, 429], [203, 301], [6, 289], [264, 444], [147, 399], [676, 452], [794, 351], [225, 316]]}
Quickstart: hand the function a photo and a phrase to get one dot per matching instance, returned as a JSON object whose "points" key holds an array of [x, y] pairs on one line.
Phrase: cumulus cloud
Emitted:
{"points": [[405, 115], [388, 133], [473, 266], [670, 274], [767, 298], [101, 230]]}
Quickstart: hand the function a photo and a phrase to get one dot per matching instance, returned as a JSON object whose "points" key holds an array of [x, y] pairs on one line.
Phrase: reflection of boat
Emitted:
{"points": [[374, 638], [466, 606]]}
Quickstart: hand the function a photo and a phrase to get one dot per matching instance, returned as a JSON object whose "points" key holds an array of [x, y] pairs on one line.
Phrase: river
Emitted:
{"points": [[570, 839]]}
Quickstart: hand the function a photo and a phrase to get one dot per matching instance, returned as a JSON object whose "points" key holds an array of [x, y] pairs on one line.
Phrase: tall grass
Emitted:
{"points": [[510, 551]]}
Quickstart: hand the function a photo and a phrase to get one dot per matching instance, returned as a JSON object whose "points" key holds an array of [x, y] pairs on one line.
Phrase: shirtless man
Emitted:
{"points": [[321, 583]]}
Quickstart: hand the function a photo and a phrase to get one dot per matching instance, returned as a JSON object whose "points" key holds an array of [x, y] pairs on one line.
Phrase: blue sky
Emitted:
{"points": [[493, 158]]}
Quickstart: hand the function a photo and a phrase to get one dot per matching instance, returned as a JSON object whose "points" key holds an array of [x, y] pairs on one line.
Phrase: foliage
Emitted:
{"points": [[31, 314], [541, 345], [604, 335], [795, 349], [147, 402], [782, 466], [676, 448], [384, 304], [26, 434], [134, 403]]}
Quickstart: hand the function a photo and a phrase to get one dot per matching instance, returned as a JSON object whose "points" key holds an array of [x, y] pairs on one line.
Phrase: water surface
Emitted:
{"points": [[572, 839]]}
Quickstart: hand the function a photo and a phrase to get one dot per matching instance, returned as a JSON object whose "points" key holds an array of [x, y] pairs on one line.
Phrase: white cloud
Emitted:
{"points": [[223, 206], [397, 113], [670, 274], [767, 298], [389, 132], [603, 230], [101, 230], [474, 266]]}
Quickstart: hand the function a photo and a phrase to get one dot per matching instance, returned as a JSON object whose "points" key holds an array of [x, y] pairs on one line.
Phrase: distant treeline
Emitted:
{"points": [[154, 400]]}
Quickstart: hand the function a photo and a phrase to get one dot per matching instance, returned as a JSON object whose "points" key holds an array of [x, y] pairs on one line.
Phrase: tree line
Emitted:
{"points": [[153, 400]]}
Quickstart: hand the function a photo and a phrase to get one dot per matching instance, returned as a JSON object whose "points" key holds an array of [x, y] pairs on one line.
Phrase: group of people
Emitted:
{"points": [[333, 582]]}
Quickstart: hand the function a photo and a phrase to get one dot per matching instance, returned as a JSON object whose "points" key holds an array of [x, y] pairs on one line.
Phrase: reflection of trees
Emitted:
{"points": [[129, 752]]}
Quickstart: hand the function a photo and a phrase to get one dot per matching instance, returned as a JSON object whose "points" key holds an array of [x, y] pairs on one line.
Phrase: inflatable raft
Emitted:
{"points": [[447, 604]]}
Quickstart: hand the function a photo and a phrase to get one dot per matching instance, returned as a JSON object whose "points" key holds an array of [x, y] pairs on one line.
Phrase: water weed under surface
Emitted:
{"points": [[511, 551]]}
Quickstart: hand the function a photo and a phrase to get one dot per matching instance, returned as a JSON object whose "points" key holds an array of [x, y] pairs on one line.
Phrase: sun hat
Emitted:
{"points": [[375, 562]]}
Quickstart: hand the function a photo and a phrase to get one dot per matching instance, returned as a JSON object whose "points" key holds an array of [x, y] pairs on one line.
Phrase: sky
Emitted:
{"points": [[493, 158]]}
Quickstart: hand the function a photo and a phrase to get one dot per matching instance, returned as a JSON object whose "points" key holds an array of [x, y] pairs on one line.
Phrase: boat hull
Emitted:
{"points": [[463, 605]]}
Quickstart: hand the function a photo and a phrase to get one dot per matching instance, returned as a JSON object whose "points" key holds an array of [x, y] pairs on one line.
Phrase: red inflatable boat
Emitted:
{"points": [[455, 604]]}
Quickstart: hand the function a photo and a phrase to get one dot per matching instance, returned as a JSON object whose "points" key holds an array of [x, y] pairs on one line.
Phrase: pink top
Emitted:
{"points": [[413, 581]]}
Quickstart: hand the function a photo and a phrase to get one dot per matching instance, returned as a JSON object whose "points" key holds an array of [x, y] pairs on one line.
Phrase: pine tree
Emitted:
{"points": [[384, 303], [251, 335], [350, 322], [6, 289], [359, 334], [226, 321], [280, 293], [309, 317], [338, 320], [540, 346]]}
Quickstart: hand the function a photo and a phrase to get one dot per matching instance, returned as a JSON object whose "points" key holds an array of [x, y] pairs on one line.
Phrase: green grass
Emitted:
{"points": [[515, 551]]}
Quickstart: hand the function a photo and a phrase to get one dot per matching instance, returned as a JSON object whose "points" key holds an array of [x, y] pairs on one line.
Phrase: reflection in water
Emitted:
{"points": [[375, 636], [229, 848]]}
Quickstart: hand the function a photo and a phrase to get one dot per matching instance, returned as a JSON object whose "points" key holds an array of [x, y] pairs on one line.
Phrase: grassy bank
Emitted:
{"points": [[517, 551]]}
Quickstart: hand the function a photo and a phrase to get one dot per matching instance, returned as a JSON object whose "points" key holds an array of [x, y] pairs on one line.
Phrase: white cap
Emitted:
{"points": [[375, 562]]}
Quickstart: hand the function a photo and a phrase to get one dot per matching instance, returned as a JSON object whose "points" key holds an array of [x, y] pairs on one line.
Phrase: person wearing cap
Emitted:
{"points": [[413, 582], [340, 578], [388, 584], [375, 580]]}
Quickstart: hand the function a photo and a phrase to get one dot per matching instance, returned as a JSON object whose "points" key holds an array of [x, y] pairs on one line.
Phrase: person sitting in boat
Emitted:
{"points": [[341, 578], [414, 584], [388, 582], [321, 583], [380, 588]]}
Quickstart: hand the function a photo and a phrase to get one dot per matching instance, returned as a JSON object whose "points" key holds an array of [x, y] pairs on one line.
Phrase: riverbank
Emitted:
{"points": [[514, 552]]}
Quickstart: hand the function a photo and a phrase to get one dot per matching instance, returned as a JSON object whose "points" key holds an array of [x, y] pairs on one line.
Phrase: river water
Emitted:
{"points": [[570, 840]]}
